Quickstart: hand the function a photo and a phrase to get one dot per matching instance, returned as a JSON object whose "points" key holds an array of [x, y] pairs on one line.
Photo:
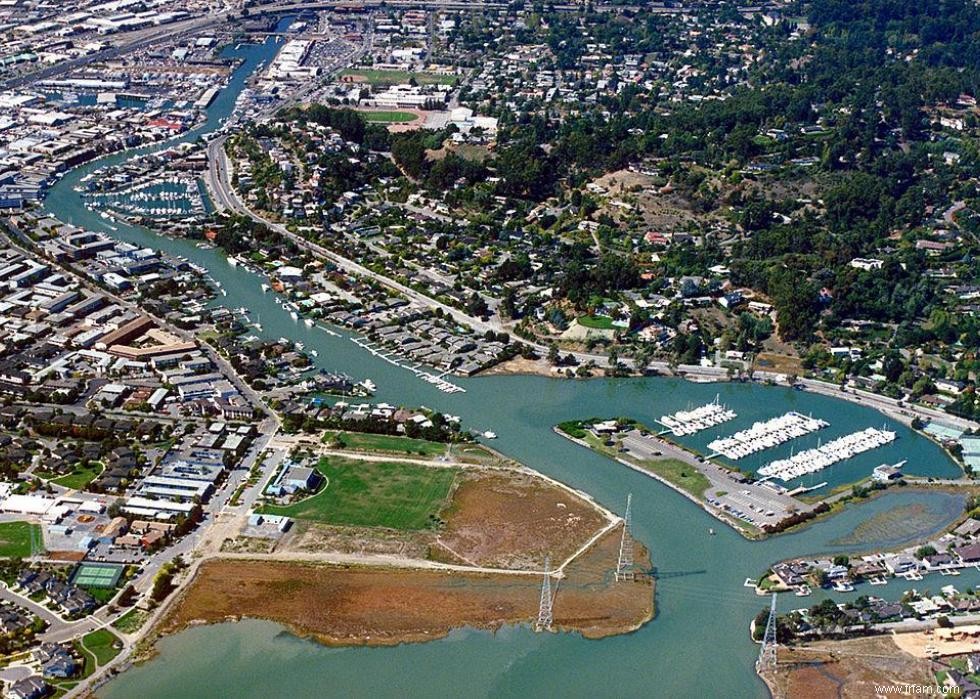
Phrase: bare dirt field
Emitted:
{"points": [[511, 520], [845, 669], [779, 363], [380, 606], [312, 537]]}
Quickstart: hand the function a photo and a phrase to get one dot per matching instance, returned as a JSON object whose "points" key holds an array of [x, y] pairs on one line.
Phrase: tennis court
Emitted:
{"points": [[97, 575]]}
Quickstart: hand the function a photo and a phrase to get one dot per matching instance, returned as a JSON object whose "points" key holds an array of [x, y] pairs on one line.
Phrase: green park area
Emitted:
{"points": [[384, 443], [16, 539], [397, 77], [79, 477], [373, 494], [683, 475], [97, 649], [102, 644]]}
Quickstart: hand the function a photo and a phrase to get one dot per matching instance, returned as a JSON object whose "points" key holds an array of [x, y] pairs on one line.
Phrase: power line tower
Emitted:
{"points": [[546, 614], [624, 568], [767, 654]]}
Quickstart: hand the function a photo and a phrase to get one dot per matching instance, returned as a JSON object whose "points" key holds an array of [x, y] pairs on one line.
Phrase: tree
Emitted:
{"points": [[553, 357]]}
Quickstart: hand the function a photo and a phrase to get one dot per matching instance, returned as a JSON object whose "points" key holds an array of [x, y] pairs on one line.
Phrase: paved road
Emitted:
{"points": [[54, 621]]}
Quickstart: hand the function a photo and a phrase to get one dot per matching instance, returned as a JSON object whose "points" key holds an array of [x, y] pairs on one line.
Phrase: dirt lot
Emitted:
{"points": [[511, 520], [310, 537], [377, 606], [657, 209], [779, 363], [846, 669]]}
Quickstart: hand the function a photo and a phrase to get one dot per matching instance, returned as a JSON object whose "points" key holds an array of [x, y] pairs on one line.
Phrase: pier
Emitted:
{"points": [[438, 381], [840, 449], [685, 422], [764, 435]]}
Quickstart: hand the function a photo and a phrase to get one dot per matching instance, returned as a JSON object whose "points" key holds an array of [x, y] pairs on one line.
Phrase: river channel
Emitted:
{"points": [[697, 645]]}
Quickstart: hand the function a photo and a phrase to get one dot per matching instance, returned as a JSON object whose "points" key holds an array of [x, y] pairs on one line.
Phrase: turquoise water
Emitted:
{"points": [[698, 644]]}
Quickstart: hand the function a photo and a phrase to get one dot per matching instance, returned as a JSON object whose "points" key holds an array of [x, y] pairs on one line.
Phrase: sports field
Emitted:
{"points": [[374, 494], [16, 538], [94, 575], [389, 117], [395, 77]]}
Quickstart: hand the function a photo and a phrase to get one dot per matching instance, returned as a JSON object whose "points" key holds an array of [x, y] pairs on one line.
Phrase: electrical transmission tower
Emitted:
{"points": [[624, 568], [546, 614], [767, 654]]}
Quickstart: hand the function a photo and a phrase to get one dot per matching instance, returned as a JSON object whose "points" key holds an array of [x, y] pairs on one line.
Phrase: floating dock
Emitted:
{"points": [[764, 435], [685, 422], [840, 449]]}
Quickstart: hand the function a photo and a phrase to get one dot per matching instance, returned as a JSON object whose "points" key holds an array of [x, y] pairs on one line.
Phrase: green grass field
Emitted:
{"points": [[596, 322], [80, 476], [100, 644], [361, 441], [388, 117], [683, 475], [395, 77], [15, 539], [374, 494]]}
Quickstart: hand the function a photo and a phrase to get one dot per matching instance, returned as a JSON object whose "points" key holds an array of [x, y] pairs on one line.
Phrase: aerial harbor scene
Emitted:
{"points": [[489, 349]]}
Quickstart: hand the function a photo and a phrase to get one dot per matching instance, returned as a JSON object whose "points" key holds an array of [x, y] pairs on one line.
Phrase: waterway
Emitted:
{"points": [[697, 645]]}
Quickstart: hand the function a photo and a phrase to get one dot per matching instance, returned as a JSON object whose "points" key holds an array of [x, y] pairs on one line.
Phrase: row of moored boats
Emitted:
{"points": [[685, 422], [819, 458], [765, 435]]}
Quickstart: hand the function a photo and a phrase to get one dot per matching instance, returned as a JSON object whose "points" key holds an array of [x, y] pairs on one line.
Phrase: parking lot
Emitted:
{"points": [[758, 504]]}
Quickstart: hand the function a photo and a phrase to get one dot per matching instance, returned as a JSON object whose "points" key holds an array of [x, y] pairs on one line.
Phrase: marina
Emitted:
{"points": [[685, 422], [765, 435], [840, 449]]}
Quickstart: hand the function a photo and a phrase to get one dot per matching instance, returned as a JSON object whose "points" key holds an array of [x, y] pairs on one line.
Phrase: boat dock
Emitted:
{"points": [[764, 435], [840, 449], [685, 422], [438, 381]]}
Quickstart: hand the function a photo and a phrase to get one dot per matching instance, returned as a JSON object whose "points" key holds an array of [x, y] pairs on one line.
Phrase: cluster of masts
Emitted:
{"points": [[840, 449], [685, 422], [149, 199], [764, 435]]}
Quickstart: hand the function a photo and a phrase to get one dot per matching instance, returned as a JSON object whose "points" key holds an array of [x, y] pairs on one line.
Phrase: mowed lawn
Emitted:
{"points": [[80, 476], [374, 494], [396, 77], [15, 539], [101, 644], [361, 441], [388, 117], [596, 322]]}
